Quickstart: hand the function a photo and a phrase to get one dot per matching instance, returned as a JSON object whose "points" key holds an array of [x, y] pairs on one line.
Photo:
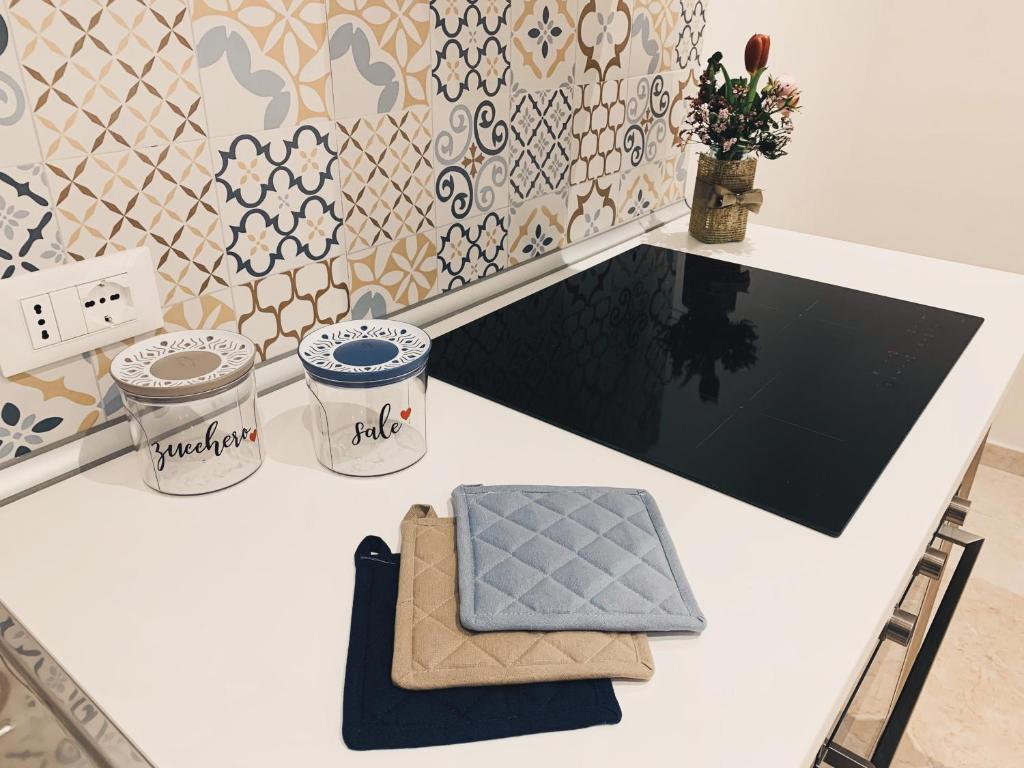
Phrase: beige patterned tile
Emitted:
{"points": [[212, 310], [392, 276], [277, 311], [266, 61], [647, 136], [380, 55], [603, 33], [537, 227], [543, 43], [18, 143], [160, 197], [592, 208], [639, 192], [688, 36], [108, 74], [44, 406], [656, 28], [386, 176], [599, 119]]}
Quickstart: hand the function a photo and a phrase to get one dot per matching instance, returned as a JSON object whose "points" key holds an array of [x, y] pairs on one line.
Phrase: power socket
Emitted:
{"points": [[106, 303], [41, 321], [83, 305]]}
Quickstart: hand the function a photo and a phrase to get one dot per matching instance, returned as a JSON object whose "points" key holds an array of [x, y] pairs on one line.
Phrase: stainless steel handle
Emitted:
{"points": [[931, 563], [956, 512], [900, 627]]}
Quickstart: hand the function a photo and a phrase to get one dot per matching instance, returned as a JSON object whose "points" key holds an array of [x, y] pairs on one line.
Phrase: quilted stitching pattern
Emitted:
{"points": [[432, 650], [379, 715], [549, 558]]}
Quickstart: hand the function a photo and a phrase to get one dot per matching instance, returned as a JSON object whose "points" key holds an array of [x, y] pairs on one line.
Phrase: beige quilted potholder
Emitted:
{"points": [[432, 650]]}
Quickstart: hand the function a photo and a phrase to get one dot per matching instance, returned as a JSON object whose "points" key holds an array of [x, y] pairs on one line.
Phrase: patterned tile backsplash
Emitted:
{"points": [[293, 162]]}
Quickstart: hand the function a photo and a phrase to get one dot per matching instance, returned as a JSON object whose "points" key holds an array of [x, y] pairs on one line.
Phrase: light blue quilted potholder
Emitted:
{"points": [[534, 557]]}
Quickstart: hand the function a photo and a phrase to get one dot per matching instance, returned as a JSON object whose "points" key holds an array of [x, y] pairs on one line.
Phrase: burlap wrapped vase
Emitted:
{"points": [[723, 196]]}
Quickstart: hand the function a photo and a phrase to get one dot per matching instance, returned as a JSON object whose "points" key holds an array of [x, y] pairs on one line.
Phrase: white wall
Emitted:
{"points": [[912, 132]]}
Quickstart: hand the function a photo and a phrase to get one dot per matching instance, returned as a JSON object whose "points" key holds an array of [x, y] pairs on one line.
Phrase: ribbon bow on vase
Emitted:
{"points": [[717, 196]]}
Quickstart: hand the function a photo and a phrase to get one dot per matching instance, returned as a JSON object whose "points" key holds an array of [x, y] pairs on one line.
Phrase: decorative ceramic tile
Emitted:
{"points": [[29, 237], [212, 310], [686, 47], [539, 142], [280, 200], [680, 88], [18, 144], [543, 43], [657, 29], [674, 184], [471, 39], [380, 55], [108, 74], [41, 407], [277, 311], [639, 192], [470, 147], [603, 33], [392, 276], [264, 62], [592, 208], [387, 180], [162, 197], [467, 251], [646, 135], [537, 227], [598, 122]]}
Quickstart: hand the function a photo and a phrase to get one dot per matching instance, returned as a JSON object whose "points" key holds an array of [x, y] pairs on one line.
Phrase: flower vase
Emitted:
{"points": [[710, 221]]}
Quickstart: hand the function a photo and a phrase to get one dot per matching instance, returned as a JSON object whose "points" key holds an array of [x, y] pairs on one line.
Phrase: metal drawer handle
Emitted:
{"points": [[835, 754], [900, 627], [931, 563], [956, 512]]}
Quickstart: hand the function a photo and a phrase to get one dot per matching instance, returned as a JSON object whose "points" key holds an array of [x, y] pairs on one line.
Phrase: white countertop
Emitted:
{"points": [[214, 629]]}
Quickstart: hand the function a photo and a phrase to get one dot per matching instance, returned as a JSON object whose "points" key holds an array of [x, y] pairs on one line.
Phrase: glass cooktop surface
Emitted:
{"points": [[788, 394]]}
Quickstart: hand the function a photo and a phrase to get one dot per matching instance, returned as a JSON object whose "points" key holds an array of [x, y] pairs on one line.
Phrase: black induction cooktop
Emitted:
{"points": [[789, 394]]}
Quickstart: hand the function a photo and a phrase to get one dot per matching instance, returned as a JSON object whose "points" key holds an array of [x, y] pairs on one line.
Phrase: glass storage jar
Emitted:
{"points": [[367, 382], [191, 402]]}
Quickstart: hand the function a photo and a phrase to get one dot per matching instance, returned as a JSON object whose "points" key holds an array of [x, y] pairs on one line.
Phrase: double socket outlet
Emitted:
{"points": [[59, 312]]}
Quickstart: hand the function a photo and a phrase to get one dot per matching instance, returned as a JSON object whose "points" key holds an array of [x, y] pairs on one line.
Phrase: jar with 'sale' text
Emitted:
{"points": [[367, 382]]}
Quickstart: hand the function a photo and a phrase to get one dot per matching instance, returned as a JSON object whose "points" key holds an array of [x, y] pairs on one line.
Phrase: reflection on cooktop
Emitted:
{"points": [[786, 393]]}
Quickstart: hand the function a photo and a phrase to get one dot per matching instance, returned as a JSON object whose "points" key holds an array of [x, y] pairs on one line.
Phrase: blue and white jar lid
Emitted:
{"points": [[364, 353]]}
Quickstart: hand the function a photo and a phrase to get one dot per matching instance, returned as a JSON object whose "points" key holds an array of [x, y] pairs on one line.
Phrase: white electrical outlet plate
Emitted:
{"points": [[83, 305]]}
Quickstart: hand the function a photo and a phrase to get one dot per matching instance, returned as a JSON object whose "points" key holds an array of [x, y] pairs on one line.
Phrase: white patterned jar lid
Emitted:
{"points": [[183, 364], [364, 353]]}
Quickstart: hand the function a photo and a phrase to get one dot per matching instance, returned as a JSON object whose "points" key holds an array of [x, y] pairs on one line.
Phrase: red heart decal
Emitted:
{"points": [[407, 413], [252, 435]]}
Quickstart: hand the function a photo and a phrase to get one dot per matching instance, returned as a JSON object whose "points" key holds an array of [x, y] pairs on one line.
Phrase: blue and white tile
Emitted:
{"points": [[470, 250], [18, 143], [539, 142], [470, 45], [280, 199], [646, 136], [537, 227], [470, 157], [30, 238]]}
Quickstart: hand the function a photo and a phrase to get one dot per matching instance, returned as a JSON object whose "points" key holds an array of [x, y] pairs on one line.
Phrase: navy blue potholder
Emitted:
{"points": [[377, 714]]}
